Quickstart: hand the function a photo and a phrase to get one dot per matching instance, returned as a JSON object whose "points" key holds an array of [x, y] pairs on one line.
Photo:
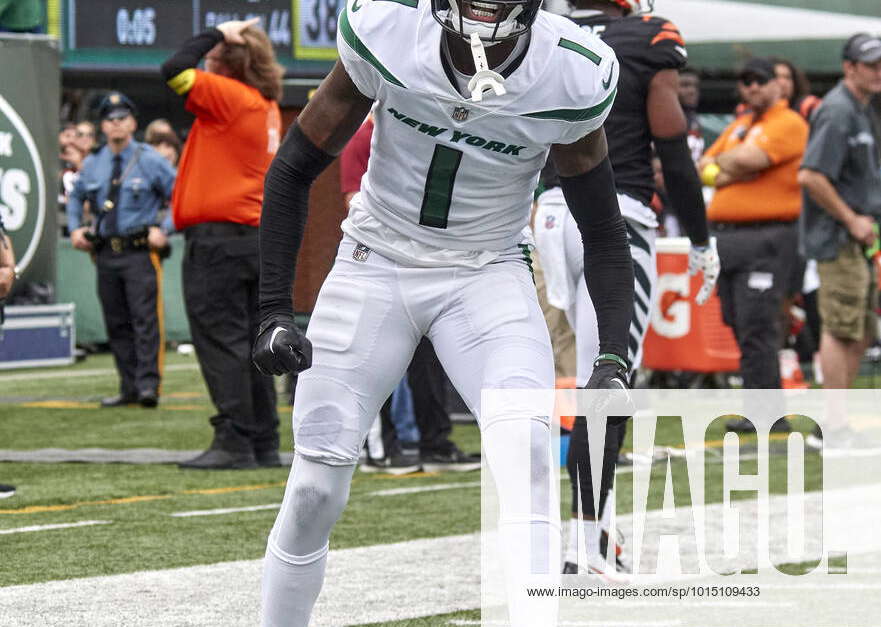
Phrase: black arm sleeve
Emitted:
{"points": [[683, 186], [191, 53], [608, 267], [285, 207]]}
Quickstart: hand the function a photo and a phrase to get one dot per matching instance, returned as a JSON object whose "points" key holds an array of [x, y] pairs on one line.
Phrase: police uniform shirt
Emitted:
{"points": [[843, 148], [145, 187]]}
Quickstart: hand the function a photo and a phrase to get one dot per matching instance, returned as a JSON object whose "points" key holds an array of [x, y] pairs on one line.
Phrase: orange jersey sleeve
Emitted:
{"points": [[217, 97]]}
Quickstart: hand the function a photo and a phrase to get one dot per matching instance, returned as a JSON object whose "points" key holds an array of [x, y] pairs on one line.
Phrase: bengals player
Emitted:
{"points": [[646, 113]]}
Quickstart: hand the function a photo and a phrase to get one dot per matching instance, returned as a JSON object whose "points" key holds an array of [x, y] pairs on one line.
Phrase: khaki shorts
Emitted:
{"points": [[848, 295]]}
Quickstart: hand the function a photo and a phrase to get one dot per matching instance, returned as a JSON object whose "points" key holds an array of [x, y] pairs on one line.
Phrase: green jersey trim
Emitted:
{"points": [[574, 47], [575, 115], [358, 46]]}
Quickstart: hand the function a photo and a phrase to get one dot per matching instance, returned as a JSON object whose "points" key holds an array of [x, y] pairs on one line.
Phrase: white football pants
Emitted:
{"points": [[488, 331]]}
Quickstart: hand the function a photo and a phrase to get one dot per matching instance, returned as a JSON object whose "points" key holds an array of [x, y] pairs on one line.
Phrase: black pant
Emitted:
{"points": [[427, 381], [220, 282], [128, 290], [578, 466], [757, 264]]}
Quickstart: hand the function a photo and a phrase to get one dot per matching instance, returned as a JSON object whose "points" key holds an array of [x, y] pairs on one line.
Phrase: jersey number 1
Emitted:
{"points": [[439, 187]]}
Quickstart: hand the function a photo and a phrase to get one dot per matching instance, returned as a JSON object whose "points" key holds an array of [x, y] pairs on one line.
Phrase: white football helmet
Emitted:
{"points": [[492, 20]]}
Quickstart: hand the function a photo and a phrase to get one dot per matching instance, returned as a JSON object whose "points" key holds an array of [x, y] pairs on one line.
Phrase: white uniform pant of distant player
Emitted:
{"points": [[488, 330], [562, 256]]}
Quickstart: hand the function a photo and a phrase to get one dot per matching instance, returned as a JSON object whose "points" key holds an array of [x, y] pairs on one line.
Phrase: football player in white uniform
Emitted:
{"points": [[471, 96]]}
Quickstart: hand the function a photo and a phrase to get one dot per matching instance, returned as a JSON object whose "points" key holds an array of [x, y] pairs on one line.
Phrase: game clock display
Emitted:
{"points": [[125, 32]]}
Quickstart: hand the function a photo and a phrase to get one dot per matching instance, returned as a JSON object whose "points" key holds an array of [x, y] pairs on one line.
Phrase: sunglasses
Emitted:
{"points": [[761, 81]]}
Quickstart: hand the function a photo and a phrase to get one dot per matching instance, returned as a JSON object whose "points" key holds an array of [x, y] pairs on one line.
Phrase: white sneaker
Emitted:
{"points": [[607, 574]]}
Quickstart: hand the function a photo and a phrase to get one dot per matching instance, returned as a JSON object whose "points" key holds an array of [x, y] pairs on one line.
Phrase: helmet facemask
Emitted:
{"points": [[492, 20]]}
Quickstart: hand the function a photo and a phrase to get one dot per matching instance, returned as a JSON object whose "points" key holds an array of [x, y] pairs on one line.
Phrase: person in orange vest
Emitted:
{"points": [[753, 166]]}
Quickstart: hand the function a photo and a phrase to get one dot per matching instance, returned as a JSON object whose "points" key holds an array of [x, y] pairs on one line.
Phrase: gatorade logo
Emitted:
{"points": [[22, 191]]}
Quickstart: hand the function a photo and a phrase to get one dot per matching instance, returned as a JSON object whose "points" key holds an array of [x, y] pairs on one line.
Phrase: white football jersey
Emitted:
{"points": [[448, 175]]}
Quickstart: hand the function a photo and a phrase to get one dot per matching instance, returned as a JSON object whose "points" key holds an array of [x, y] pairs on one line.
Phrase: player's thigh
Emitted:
{"points": [[493, 335], [362, 341]]}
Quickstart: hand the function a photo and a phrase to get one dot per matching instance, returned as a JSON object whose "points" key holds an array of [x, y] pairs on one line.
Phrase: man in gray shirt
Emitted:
{"points": [[841, 178]]}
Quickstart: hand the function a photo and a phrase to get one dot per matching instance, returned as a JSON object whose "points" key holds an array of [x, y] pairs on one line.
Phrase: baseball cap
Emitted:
{"points": [[757, 67], [862, 48], [116, 105]]}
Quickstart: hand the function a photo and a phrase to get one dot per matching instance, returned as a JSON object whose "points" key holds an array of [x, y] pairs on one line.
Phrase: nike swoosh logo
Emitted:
{"points": [[272, 337], [607, 83], [355, 6]]}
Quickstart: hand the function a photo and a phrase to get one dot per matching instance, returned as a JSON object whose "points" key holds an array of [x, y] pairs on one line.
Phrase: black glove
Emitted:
{"points": [[281, 347], [610, 373]]}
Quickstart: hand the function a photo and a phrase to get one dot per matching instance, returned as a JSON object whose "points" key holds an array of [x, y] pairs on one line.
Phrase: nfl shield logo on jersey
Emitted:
{"points": [[460, 114], [360, 253]]}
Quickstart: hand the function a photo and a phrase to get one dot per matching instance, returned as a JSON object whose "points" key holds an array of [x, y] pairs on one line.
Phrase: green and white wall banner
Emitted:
{"points": [[30, 81]]}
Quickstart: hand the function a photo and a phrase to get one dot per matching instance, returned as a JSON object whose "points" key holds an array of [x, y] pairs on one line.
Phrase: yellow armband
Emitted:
{"points": [[183, 82], [709, 175]]}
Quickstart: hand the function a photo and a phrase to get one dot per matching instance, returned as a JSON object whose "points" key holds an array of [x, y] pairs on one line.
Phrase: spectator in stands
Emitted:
{"points": [[159, 126], [85, 137], [689, 98], [67, 135], [167, 145], [795, 88], [841, 176], [753, 166], [22, 16], [217, 202]]}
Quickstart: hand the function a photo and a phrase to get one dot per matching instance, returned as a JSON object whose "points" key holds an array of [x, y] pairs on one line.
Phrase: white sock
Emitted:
{"points": [[296, 553], [591, 529], [572, 544], [290, 586]]}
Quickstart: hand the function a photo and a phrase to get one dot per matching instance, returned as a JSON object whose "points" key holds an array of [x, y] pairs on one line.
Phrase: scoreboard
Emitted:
{"points": [[114, 34]]}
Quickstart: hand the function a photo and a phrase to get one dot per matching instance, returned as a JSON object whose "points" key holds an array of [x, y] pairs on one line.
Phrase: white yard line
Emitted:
{"points": [[367, 584], [82, 523], [68, 374], [225, 510], [428, 488], [429, 577]]}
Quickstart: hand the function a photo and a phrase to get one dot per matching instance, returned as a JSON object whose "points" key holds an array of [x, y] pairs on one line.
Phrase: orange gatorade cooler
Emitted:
{"points": [[681, 334]]}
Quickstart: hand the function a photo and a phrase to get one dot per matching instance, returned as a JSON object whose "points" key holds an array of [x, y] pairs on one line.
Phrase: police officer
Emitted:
{"points": [[124, 185]]}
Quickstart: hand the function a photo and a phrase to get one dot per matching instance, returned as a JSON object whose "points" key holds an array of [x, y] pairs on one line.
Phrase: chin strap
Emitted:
{"points": [[484, 78]]}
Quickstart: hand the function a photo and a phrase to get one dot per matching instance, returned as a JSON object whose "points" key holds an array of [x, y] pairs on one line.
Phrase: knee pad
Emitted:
{"points": [[327, 421]]}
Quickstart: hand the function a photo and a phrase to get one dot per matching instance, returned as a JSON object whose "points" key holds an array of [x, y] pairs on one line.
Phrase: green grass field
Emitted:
{"points": [[44, 410]]}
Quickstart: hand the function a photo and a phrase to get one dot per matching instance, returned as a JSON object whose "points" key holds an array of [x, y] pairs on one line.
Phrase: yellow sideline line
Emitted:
{"points": [[50, 404], [718, 443], [37, 509], [238, 488]]}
